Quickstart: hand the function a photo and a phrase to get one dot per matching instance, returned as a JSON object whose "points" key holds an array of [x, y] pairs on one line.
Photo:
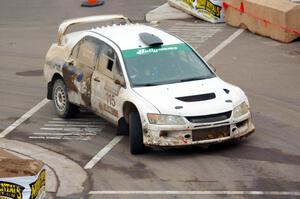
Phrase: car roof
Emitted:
{"points": [[127, 36]]}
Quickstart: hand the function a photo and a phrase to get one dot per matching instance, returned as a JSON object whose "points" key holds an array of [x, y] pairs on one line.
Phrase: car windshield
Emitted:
{"points": [[164, 65]]}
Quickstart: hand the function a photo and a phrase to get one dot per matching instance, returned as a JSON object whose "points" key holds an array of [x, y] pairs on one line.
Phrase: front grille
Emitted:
{"points": [[211, 133], [196, 98], [210, 118]]}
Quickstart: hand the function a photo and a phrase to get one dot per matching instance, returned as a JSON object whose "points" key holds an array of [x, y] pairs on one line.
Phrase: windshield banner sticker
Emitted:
{"points": [[153, 50]]}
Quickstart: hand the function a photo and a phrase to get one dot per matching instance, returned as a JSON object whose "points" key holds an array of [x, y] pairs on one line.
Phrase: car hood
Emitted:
{"points": [[194, 98]]}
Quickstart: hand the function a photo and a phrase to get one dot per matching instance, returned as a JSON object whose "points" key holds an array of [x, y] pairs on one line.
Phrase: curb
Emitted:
{"points": [[70, 175], [52, 182]]}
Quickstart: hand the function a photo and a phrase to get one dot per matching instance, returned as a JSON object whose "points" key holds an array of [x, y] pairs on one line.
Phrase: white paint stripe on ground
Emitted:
{"points": [[73, 125], [274, 193], [64, 134], [103, 152], [23, 118], [46, 137], [223, 44], [71, 129], [93, 119], [60, 138], [75, 122]]}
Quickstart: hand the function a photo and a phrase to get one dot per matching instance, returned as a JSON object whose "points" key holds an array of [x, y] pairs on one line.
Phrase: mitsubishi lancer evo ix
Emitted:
{"points": [[145, 81]]}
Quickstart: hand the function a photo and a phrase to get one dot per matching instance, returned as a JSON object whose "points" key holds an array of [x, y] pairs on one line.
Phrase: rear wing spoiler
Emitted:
{"points": [[64, 26]]}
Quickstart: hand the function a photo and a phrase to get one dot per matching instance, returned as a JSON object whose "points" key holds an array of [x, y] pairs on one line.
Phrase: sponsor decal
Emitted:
{"points": [[207, 6], [38, 186], [153, 50], [208, 10], [11, 190], [111, 110]]}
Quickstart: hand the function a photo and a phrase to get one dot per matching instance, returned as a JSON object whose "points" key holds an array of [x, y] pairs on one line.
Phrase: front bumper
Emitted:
{"points": [[198, 134]]}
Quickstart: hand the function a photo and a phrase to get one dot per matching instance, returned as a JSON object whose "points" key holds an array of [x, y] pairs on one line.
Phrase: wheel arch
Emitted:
{"points": [[127, 108], [51, 83]]}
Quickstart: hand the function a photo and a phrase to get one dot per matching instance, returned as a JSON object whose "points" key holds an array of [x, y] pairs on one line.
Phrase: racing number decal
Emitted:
{"points": [[110, 99]]}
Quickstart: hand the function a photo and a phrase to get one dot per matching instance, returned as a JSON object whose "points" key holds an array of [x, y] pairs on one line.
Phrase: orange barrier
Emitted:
{"points": [[92, 3]]}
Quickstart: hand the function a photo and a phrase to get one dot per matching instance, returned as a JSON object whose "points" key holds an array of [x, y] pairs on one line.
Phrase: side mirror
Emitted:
{"points": [[118, 79]]}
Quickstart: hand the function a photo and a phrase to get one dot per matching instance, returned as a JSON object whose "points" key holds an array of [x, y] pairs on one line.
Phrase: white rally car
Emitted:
{"points": [[145, 81]]}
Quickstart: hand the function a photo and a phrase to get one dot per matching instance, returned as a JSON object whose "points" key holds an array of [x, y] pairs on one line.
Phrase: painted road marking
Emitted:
{"points": [[72, 125], [89, 119], [103, 152], [223, 44], [195, 33], [23, 118], [64, 134], [60, 138], [75, 122], [70, 129], [273, 193]]}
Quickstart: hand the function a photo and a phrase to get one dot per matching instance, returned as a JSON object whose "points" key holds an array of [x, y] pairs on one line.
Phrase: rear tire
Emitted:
{"points": [[61, 101], [136, 134]]}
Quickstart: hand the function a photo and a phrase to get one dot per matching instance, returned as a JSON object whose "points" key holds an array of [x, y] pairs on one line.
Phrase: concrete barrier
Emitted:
{"points": [[276, 19]]}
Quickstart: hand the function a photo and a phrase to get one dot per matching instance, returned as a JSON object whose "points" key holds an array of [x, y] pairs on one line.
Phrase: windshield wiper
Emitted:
{"points": [[194, 78]]}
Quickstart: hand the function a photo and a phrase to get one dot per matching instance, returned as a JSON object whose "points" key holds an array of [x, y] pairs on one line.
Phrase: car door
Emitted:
{"points": [[79, 70], [105, 90]]}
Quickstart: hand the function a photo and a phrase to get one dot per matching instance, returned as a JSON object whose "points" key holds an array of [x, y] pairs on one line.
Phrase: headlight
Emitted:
{"points": [[160, 119], [240, 110]]}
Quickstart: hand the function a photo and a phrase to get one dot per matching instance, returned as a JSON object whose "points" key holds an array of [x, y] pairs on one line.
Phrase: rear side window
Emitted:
{"points": [[86, 51]]}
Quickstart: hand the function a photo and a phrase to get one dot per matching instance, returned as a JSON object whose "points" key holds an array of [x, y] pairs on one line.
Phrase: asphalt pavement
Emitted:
{"points": [[268, 71]]}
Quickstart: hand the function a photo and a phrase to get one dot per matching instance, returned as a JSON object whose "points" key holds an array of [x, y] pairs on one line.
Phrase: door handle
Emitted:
{"points": [[96, 79]]}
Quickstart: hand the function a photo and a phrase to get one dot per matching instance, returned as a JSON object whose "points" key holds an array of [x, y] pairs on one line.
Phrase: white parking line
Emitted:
{"points": [[65, 134], [72, 129], [75, 122], [85, 119], [103, 152], [23, 118], [223, 44], [59, 138], [274, 193], [73, 125]]}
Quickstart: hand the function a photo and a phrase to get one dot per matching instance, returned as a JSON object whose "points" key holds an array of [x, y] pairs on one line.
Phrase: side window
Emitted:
{"points": [[74, 53], [108, 63], [86, 51]]}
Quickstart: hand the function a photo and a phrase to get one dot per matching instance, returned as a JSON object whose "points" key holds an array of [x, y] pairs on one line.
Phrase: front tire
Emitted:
{"points": [[123, 127], [136, 134], [60, 100]]}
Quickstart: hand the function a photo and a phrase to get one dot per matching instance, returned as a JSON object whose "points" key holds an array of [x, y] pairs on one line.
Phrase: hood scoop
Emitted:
{"points": [[197, 98]]}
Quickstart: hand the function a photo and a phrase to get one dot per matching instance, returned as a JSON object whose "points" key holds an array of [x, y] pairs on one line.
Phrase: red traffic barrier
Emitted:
{"points": [[92, 3]]}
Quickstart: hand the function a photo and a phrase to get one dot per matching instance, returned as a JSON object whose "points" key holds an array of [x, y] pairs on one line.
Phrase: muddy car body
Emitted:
{"points": [[145, 81]]}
